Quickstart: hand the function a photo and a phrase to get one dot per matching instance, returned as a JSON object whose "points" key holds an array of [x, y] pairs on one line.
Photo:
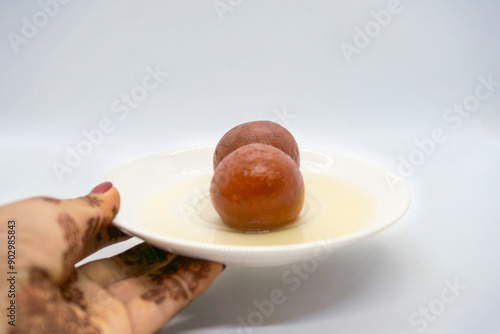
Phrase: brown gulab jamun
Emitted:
{"points": [[264, 132], [257, 187]]}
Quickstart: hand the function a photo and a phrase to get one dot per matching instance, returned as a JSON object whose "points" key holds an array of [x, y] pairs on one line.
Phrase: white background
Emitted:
{"points": [[281, 60]]}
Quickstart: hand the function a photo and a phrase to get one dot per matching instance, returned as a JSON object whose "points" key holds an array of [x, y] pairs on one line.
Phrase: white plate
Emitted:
{"points": [[165, 201]]}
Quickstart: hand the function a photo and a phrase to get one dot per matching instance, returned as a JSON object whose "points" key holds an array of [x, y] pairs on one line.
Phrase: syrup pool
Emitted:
{"points": [[332, 208]]}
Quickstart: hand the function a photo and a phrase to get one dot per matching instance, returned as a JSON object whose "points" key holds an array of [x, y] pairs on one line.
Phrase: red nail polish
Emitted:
{"points": [[102, 188]]}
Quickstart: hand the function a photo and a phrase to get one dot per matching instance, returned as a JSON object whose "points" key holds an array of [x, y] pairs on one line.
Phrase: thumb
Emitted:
{"points": [[55, 234], [97, 236], [93, 211], [86, 222]]}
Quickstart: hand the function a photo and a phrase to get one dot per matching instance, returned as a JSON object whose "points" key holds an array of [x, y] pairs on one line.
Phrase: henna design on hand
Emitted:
{"points": [[44, 309], [50, 200], [33, 298], [177, 279], [114, 234], [93, 225], [75, 296], [72, 294], [72, 235], [194, 272], [69, 227], [143, 254], [169, 286], [73, 278], [93, 201]]}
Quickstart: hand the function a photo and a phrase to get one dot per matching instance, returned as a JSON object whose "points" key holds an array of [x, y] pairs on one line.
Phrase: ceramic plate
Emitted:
{"points": [[166, 202]]}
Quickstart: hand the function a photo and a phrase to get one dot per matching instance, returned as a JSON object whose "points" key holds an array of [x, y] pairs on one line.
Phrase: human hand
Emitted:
{"points": [[137, 291]]}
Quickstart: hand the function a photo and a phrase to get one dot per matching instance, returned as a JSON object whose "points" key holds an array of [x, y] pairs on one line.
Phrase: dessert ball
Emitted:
{"points": [[265, 132], [257, 187]]}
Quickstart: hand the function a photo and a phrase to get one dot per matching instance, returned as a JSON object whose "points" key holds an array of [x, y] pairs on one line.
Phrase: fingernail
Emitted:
{"points": [[102, 188]]}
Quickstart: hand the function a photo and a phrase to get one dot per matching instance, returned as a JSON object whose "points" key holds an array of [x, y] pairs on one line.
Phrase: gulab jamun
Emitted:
{"points": [[264, 132], [257, 187]]}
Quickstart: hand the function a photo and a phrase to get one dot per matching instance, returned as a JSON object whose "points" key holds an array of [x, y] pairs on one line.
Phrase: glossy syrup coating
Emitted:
{"points": [[257, 187], [265, 132]]}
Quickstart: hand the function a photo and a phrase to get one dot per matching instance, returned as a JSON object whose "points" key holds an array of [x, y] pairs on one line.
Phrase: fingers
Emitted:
{"points": [[99, 304], [134, 262], [151, 284], [169, 290]]}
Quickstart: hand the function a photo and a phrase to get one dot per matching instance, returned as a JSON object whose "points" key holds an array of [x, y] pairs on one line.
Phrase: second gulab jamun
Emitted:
{"points": [[257, 187], [265, 132]]}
